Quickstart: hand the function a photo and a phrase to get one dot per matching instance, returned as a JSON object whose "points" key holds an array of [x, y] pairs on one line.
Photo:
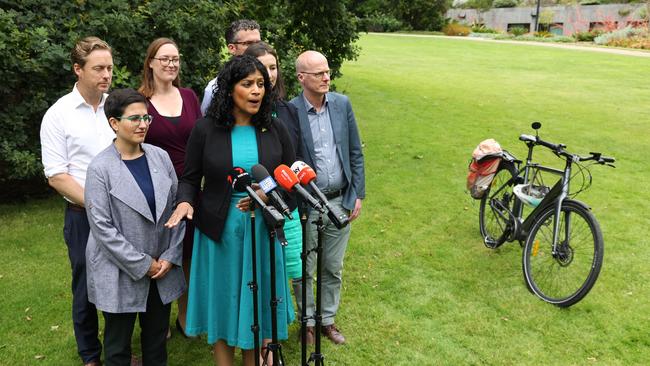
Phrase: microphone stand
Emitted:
{"points": [[275, 347], [317, 356], [255, 328], [303, 295]]}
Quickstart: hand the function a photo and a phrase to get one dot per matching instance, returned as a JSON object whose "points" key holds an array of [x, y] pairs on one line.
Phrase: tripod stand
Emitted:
{"points": [[315, 356], [275, 221], [275, 347]]}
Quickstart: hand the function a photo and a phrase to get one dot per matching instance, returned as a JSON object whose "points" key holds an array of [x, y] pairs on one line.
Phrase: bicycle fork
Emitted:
{"points": [[566, 176]]}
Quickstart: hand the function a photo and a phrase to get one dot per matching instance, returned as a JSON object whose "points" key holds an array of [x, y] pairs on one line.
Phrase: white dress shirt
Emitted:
{"points": [[72, 133]]}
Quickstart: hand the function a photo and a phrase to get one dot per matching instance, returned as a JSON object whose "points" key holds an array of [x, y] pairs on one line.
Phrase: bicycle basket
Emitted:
{"points": [[530, 194]]}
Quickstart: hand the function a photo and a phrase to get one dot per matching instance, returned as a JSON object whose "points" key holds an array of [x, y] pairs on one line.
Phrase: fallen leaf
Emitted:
{"points": [[2, 276], [28, 309], [28, 318], [54, 327], [418, 157], [39, 357], [593, 359], [504, 318], [397, 343]]}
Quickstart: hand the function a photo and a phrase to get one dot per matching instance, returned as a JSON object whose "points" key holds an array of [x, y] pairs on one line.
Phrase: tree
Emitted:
{"points": [[36, 37], [421, 14]]}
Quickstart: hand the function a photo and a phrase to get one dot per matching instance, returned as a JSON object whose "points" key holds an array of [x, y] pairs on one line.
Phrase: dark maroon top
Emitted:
{"points": [[173, 137]]}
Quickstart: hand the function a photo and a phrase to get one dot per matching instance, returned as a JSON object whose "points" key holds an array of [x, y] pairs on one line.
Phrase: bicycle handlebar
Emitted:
{"points": [[558, 149]]}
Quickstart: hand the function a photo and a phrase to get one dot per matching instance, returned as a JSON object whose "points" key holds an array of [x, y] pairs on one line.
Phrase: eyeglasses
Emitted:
{"points": [[135, 119], [318, 75], [166, 61], [246, 43]]}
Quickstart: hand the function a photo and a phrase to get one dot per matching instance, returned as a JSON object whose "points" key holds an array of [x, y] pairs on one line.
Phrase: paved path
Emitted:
{"points": [[580, 47]]}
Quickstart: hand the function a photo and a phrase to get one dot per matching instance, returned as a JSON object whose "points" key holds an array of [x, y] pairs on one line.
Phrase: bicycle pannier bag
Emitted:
{"points": [[485, 162]]}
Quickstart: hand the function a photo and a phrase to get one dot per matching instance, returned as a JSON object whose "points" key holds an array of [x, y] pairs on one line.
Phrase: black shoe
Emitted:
{"points": [[180, 329]]}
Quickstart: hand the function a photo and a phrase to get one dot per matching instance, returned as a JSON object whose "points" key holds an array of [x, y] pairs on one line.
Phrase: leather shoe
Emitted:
{"points": [[332, 332], [310, 336], [135, 361]]}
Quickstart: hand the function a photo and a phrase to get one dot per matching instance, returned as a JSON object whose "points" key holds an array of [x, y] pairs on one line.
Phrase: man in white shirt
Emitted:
{"points": [[241, 34], [73, 131]]}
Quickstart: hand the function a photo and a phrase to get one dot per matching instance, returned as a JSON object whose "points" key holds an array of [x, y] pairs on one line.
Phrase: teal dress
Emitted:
{"points": [[293, 234], [220, 301]]}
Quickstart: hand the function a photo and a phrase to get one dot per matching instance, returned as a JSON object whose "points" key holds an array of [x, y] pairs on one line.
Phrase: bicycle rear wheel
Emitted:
{"points": [[565, 277], [497, 203]]}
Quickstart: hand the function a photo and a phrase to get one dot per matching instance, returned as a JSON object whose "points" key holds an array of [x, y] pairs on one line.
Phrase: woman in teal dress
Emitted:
{"points": [[238, 130], [287, 113]]}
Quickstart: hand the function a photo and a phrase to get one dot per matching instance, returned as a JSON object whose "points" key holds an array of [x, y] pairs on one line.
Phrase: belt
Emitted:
{"points": [[333, 195], [75, 207]]}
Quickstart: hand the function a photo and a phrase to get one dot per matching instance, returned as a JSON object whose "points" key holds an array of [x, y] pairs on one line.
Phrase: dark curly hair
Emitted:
{"points": [[235, 70]]}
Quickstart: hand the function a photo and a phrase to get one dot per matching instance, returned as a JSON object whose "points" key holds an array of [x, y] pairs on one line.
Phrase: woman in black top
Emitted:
{"points": [[238, 131]]}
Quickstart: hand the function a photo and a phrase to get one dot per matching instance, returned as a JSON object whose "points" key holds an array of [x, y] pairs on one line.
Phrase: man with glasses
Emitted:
{"points": [[73, 131], [241, 34], [332, 146]]}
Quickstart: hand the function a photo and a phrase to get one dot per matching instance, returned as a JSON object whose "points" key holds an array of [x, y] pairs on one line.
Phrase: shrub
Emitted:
{"points": [[619, 34], [587, 36], [543, 34], [379, 23], [518, 31], [481, 28], [455, 29], [505, 3]]}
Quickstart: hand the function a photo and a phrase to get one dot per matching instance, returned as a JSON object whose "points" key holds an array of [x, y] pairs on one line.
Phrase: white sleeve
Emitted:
{"points": [[54, 151], [207, 96]]}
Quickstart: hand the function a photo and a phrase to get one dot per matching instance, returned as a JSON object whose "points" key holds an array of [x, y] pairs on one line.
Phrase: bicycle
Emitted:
{"points": [[563, 244]]}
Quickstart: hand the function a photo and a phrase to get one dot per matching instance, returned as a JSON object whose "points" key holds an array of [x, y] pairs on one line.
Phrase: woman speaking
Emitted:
{"points": [[237, 131]]}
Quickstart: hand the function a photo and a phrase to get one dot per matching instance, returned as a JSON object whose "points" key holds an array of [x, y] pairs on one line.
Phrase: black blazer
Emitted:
{"points": [[209, 155], [288, 114]]}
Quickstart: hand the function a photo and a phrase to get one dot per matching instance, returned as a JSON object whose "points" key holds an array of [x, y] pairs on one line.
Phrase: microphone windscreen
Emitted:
{"points": [[306, 175], [259, 172], [239, 179], [297, 166], [285, 177]]}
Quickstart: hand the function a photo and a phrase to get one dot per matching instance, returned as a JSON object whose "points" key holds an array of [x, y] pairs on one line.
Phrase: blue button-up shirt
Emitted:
{"points": [[328, 166]]}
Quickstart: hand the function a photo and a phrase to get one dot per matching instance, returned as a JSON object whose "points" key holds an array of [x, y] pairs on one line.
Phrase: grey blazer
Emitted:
{"points": [[348, 144], [124, 236]]}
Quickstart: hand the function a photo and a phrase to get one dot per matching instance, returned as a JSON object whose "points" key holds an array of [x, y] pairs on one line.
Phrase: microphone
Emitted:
{"points": [[241, 181], [288, 180], [306, 175], [262, 176]]}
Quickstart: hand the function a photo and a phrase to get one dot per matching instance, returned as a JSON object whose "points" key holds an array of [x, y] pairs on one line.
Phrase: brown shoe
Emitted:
{"points": [[310, 336], [333, 334], [135, 361]]}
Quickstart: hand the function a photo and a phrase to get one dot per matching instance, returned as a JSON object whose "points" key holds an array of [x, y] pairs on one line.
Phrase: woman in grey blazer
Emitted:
{"points": [[133, 261]]}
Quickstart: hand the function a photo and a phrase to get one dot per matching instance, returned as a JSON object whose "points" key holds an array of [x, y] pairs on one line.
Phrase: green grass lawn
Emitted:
{"points": [[419, 286]]}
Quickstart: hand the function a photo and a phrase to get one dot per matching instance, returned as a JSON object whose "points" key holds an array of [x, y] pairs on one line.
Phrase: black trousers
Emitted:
{"points": [[84, 313], [153, 333]]}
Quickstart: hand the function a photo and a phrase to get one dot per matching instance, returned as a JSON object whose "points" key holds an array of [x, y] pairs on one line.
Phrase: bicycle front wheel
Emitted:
{"points": [[565, 277]]}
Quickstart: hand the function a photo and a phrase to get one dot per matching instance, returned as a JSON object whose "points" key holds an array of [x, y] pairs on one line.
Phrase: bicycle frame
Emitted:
{"points": [[556, 196]]}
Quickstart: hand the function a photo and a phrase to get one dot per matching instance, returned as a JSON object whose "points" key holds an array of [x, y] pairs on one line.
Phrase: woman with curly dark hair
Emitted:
{"points": [[287, 113], [237, 131]]}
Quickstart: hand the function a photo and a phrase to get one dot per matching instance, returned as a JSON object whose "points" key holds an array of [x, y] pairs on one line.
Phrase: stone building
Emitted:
{"points": [[560, 20]]}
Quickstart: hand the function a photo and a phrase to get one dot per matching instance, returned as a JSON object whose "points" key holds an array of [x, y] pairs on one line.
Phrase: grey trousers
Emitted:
{"points": [[335, 242]]}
